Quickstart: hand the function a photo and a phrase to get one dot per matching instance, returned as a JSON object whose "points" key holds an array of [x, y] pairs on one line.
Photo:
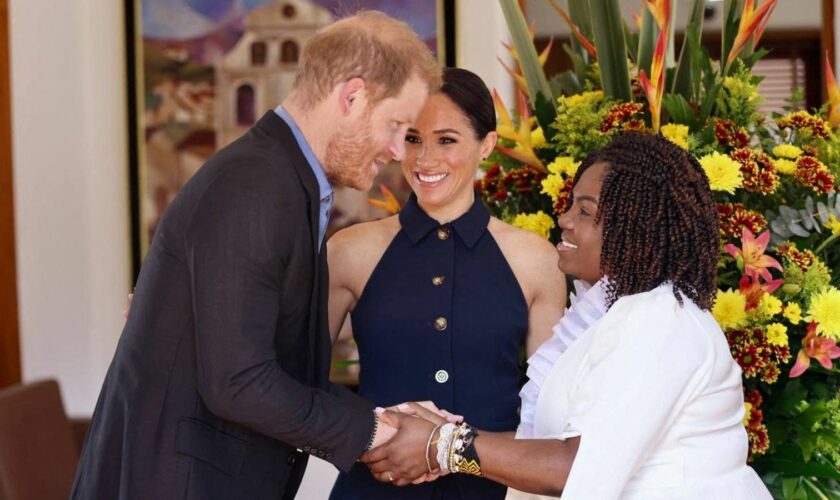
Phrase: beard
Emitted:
{"points": [[349, 158]]}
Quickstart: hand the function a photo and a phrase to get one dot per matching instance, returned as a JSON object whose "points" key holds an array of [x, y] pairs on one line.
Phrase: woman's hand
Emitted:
{"points": [[128, 307], [429, 411]]}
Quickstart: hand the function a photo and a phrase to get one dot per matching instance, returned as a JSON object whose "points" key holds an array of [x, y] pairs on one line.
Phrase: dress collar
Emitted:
{"points": [[469, 227]]}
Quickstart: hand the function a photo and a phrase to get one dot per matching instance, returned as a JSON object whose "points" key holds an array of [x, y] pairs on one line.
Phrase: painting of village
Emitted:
{"points": [[208, 69]]}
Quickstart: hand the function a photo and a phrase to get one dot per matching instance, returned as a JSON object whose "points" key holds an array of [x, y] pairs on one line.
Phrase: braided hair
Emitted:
{"points": [[659, 219]]}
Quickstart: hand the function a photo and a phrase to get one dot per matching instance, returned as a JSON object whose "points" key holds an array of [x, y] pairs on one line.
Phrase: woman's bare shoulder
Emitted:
{"points": [[532, 258]]}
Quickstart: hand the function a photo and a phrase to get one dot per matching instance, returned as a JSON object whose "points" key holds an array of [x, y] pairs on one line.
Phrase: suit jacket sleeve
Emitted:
{"points": [[237, 246]]}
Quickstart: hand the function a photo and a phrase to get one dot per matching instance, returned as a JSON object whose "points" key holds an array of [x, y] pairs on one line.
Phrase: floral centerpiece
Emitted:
{"points": [[775, 181]]}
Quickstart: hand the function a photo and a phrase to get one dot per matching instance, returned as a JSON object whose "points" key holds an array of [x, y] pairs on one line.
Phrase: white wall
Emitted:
{"points": [[480, 29], [71, 189]]}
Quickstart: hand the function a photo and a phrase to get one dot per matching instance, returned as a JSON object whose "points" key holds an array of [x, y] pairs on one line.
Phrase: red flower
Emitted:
{"points": [[811, 173], [802, 259], [728, 135], [734, 218], [619, 113]]}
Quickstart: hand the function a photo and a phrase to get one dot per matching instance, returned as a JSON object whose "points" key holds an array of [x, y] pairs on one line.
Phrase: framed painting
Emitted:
{"points": [[202, 71]]}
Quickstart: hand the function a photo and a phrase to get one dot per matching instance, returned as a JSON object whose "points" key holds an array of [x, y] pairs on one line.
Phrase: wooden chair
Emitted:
{"points": [[38, 449]]}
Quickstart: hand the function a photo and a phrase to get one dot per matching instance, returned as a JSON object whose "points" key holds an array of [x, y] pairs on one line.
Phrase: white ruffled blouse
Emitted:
{"points": [[651, 389]]}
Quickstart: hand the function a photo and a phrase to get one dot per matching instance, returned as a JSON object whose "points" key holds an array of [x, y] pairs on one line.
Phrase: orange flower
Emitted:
{"points": [[661, 12], [753, 22], [753, 289], [390, 204], [522, 136], [654, 86], [516, 71], [817, 347], [751, 258], [584, 42], [833, 95]]}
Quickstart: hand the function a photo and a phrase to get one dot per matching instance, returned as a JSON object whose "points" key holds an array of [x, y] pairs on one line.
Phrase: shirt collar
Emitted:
{"points": [[469, 227], [324, 187]]}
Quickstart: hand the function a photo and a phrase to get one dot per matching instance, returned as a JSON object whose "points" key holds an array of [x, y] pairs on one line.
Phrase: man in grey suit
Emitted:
{"points": [[219, 386]]}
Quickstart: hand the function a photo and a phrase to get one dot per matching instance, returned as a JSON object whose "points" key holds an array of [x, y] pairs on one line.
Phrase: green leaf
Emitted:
{"points": [[792, 467], [545, 111], [565, 83], [792, 488], [750, 60], [631, 38], [581, 16], [790, 396], [731, 19], [578, 63], [814, 490], [612, 51], [679, 111], [686, 79], [647, 40], [528, 60]]}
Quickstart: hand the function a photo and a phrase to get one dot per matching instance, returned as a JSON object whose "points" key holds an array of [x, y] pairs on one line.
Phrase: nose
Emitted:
{"points": [[397, 149], [565, 221], [424, 156]]}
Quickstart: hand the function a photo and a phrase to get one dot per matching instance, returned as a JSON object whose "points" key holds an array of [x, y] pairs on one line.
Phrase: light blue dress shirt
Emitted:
{"points": [[326, 193]]}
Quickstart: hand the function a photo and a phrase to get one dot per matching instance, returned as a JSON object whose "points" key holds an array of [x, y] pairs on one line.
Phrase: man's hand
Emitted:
{"points": [[385, 430], [427, 410], [402, 460]]}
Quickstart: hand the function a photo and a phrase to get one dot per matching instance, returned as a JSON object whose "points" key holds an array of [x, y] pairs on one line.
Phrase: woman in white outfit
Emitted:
{"points": [[636, 395]]}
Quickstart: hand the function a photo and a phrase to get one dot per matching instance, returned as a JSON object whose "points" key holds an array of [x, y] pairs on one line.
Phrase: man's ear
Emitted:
{"points": [[351, 95]]}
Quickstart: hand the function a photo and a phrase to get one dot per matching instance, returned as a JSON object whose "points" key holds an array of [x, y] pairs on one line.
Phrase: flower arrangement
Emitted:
{"points": [[774, 178]]}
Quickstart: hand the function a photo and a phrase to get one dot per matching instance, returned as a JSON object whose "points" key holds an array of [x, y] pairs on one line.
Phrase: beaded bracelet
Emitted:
{"points": [[447, 432], [466, 460]]}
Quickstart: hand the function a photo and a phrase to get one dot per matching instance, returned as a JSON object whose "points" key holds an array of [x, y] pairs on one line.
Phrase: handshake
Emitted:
{"points": [[421, 443]]}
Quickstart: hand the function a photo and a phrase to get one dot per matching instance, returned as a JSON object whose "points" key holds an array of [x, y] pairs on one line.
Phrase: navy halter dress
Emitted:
{"points": [[442, 318]]}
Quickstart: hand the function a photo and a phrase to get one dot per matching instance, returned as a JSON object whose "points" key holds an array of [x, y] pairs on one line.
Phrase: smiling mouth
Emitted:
{"points": [[569, 245], [430, 179]]}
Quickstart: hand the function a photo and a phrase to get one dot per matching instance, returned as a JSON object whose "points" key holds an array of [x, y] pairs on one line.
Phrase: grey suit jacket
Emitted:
{"points": [[221, 372]]}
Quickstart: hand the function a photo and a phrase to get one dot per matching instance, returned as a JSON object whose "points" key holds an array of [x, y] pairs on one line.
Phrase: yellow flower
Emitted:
{"points": [[723, 172], [788, 151], [678, 134], [777, 334], [537, 138], [769, 305], [730, 309], [586, 98], [787, 167], [825, 310], [538, 223], [833, 224], [793, 313], [552, 185], [747, 413], [564, 165]]}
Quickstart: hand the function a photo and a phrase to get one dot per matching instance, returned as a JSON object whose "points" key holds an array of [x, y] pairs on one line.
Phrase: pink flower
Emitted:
{"points": [[817, 347], [751, 258]]}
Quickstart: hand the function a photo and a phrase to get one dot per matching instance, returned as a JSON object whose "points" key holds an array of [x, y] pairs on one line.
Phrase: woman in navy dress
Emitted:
{"points": [[443, 296]]}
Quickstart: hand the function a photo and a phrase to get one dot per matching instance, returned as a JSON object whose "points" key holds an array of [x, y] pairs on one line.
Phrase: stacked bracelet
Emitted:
{"points": [[444, 440], [456, 449], [429, 445]]}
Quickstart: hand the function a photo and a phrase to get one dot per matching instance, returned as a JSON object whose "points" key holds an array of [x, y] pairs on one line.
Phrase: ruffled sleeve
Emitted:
{"points": [[588, 305]]}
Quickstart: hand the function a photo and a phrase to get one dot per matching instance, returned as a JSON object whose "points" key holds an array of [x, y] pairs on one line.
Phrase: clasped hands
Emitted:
{"points": [[409, 457]]}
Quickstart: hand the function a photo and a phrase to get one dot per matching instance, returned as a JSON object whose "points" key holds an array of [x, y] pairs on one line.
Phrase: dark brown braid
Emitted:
{"points": [[659, 219]]}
